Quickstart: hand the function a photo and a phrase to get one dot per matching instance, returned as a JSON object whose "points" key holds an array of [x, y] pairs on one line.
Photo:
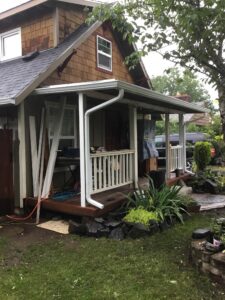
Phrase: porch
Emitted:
{"points": [[107, 172], [111, 200]]}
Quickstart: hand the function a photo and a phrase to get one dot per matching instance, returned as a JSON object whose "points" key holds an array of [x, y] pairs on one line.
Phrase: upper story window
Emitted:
{"points": [[10, 44], [104, 54]]}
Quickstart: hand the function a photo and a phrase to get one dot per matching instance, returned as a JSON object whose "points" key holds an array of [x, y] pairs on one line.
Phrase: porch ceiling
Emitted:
{"points": [[135, 95]]}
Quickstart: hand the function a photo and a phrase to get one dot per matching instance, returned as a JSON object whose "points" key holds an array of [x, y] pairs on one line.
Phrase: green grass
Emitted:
{"points": [[85, 268]]}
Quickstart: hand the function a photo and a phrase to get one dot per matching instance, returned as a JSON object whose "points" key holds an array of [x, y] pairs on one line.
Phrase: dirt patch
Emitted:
{"points": [[18, 237]]}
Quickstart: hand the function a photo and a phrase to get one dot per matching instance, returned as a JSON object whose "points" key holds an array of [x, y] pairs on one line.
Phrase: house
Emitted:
{"points": [[64, 87]]}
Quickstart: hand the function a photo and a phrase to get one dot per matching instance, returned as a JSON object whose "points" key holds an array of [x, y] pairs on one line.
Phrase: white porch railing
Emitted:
{"points": [[175, 158], [111, 169]]}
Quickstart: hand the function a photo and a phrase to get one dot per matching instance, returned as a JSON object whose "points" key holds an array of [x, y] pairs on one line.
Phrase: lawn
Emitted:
{"points": [[70, 267]]}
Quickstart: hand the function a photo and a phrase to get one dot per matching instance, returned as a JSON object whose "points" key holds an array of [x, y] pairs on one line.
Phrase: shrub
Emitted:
{"points": [[140, 215], [164, 202], [202, 155]]}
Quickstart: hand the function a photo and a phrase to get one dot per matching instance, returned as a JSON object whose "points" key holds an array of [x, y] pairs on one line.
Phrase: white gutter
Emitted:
{"points": [[87, 145]]}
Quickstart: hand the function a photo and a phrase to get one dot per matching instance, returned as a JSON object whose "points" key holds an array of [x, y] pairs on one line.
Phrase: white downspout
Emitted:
{"points": [[87, 146]]}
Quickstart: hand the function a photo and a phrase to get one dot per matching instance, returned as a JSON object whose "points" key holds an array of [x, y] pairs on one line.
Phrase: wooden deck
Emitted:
{"points": [[111, 200]]}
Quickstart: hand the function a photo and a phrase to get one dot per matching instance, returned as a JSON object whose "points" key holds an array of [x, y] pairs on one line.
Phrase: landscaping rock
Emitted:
{"points": [[163, 225], [201, 233], [95, 229], [139, 230], [117, 234], [112, 223], [77, 228], [99, 220], [211, 186]]}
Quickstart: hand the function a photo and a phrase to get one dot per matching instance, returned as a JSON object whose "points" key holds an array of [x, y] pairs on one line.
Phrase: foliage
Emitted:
{"points": [[218, 228], [140, 215], [193, 29], [187, 200], [202, 155], [216, 177], [78, 265], [164, 202], [180, 83], [219, 146]]}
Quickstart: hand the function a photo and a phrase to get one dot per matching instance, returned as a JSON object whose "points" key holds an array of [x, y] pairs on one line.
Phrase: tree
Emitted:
{"points": [[196, 27], [183, 83]]}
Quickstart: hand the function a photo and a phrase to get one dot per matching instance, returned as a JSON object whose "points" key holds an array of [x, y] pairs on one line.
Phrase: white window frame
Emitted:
{"points": [[104, 54], [8, 34], [74, 137]]}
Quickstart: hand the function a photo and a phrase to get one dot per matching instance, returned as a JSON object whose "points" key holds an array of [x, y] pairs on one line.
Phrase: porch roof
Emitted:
{"points": [[135, 95]]}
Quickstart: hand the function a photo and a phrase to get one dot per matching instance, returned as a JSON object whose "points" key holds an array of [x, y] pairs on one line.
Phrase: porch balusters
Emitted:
{"points": [[111, 169]]}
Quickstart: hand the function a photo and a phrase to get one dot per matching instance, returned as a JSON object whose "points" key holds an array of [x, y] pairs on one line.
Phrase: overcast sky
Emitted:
{"points": [[155, 65]]}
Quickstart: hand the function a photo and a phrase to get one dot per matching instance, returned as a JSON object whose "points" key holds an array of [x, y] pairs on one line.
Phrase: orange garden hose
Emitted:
{"points": [[27, 217]]}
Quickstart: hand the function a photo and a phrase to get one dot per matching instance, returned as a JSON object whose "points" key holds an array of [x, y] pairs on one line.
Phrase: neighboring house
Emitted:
{"points": [[67, 80]]}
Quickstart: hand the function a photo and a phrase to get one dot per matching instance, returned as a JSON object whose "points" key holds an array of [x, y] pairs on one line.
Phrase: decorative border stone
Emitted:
{"points": [[208, 262]]}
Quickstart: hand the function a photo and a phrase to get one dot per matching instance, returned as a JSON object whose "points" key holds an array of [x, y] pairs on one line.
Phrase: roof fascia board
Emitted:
{"points": [[155, 95], [21, 8], [5, 101], [32, 3], [57, 62], [78, 87], [130, 88], [81, 2], [143, 68]]}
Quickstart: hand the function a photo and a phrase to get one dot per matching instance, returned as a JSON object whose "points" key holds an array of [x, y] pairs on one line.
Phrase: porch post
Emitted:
{"points": [[182, 140], [82, 150], [22, 152], [167, 142], [133, 142]]}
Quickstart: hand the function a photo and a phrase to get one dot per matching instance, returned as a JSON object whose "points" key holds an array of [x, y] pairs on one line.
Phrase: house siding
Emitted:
{"points": [[70, 18], [83, 64], [37, 30]]}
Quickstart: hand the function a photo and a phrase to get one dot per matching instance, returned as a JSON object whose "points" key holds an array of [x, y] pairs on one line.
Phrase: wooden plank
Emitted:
{"points": [[22, 152], [37, 171], [40, 179], [33, 145], [54, 147]]}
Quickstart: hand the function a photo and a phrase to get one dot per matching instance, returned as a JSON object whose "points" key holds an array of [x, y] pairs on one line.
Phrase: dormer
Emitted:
{"points": [[10, 44]]}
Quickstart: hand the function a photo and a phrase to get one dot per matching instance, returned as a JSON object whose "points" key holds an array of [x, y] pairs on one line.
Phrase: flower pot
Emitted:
{"points": [[217, 243]]}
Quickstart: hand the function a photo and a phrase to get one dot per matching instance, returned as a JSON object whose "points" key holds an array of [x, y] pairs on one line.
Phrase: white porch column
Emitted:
{"points": [[81, 101], [167, 142], [182, 140], [22, 152], [133, 142]]}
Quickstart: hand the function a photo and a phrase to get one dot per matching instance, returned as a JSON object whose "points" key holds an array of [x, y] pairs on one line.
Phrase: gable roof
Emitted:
{"points": [[19, 77], [33, 3]]}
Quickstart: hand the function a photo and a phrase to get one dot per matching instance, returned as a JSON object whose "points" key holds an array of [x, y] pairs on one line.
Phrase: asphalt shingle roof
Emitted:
{"points": [[17, 75]]}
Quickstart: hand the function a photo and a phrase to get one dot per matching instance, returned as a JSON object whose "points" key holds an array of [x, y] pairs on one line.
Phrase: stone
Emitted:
{"points": [[139, 230], [218, 260], [113, 223], [211, 186], [163, 225], [117, 234], [99, 220], [201, 233], [94, 229], [77, 228]]}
